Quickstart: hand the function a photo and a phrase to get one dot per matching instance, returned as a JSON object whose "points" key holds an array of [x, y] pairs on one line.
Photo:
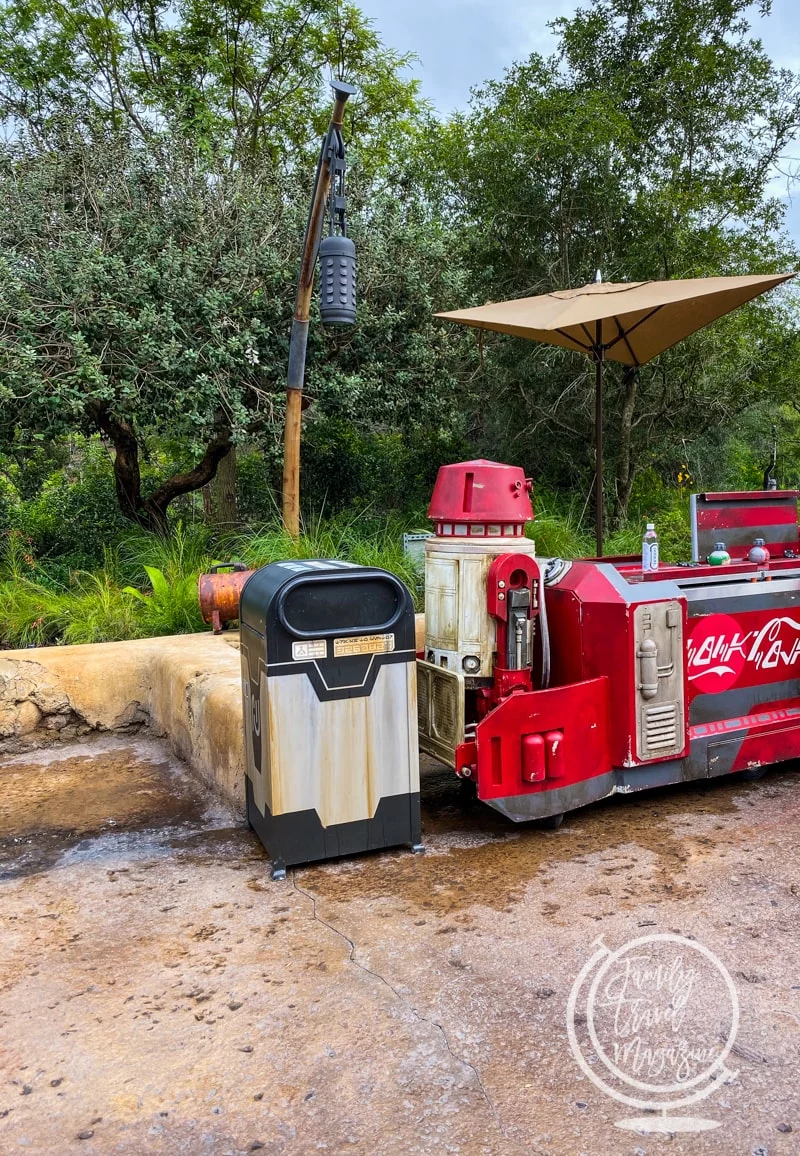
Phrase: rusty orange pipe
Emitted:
{"points": [[220, 591]]}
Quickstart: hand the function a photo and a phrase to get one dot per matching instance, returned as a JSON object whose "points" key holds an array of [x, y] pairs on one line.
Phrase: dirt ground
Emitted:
{"points": [[160, 994]]}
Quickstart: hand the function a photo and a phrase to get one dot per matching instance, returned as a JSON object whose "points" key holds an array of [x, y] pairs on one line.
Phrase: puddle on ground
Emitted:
{"points": [[112, 798], [101, 799], [489, 860]]}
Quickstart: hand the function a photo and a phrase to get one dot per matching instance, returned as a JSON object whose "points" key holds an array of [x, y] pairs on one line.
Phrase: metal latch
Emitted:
{"points": [[649, 670]]}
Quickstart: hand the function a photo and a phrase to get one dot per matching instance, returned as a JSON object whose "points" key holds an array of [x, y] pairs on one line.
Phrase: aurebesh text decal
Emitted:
{"points": [[722, 651]]}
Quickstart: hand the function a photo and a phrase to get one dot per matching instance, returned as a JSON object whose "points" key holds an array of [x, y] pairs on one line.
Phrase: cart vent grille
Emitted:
{"points": [[661, 728], [440, 709], [444, 710], [423, 703]]}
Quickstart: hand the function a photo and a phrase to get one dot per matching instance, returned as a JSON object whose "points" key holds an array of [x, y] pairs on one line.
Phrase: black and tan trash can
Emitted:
{"points": [[329, 685]]}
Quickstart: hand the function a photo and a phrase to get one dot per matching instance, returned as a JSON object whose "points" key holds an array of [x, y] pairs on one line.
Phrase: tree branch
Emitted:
{"points": [[205, 470]]}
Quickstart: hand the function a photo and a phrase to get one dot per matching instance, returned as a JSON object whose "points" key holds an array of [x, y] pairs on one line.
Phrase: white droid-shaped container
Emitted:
{"points": [[479, 510]]}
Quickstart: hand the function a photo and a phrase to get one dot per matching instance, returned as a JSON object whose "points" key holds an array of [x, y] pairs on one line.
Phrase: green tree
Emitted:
{"points": [[146, 295], [140, 296], [242, 79], [154, 198], [644, 147]]}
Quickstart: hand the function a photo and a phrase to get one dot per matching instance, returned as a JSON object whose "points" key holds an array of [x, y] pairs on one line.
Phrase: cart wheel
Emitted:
{"points": [[467, 793], [751, 775], [551, 823]]}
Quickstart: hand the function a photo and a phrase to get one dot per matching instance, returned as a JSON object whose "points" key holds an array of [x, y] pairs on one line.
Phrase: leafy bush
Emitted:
{"points": [[9, 501], [346, 468], [37, 609], [147, 585], [76, 511], [559, 528], [182, 553], [672, 527], [97, 610], [258, 485], [31, 614]]}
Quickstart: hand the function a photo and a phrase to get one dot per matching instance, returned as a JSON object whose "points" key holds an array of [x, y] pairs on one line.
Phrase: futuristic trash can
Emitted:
{"points": [[329, 688]]}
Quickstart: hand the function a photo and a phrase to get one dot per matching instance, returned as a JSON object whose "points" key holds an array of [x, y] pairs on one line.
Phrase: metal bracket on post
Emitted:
{"points": [[330, 173]]}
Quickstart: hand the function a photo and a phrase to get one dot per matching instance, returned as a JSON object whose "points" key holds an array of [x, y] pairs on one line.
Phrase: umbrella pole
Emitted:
{"points": [[598, 434]]}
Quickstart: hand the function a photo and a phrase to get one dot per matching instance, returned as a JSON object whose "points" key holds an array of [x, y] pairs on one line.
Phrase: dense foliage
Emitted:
{"points": [[644, 148], [154, 184], [153, 194], [242, 80]]}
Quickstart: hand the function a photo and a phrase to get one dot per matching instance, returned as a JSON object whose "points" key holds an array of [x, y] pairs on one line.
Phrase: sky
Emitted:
{"points": [[461, 43]]}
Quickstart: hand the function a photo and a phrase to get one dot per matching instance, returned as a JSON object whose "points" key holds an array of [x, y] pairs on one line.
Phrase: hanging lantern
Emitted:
{"points": [[337, 280], [337, 253]]}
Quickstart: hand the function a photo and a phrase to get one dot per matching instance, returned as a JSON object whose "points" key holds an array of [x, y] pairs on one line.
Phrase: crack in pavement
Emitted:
{"points": [[414, 1011]]}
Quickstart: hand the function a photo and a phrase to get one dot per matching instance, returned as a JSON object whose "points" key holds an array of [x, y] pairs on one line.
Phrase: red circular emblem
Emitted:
{"points": [[717, 652]]}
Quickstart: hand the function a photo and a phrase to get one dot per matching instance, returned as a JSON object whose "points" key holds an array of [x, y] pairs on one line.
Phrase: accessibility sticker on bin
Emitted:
{"points": [[363, 644], [316, 648]]}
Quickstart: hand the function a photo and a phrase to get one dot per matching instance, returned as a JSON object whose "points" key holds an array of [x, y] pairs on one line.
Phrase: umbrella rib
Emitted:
{"points": [[624, 337], [592, 346], [569, 336], [624, 334], [586, 349]]}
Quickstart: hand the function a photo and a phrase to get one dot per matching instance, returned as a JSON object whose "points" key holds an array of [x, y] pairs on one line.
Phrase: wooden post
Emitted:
{"points": [[291, 461], [302, 309]]}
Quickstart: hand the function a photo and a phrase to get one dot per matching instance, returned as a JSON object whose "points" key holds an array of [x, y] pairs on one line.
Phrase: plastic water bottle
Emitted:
{"points": [[650, 549]]}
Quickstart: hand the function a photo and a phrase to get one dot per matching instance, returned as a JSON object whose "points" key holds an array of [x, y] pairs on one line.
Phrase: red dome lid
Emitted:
{"points": [[483, 492]]}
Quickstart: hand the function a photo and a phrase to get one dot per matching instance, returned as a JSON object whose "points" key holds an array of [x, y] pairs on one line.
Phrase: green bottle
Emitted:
{"points": [[719, 556]]}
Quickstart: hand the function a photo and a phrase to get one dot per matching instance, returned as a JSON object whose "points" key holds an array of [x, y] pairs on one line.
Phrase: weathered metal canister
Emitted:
{"points": [[219, 592]]}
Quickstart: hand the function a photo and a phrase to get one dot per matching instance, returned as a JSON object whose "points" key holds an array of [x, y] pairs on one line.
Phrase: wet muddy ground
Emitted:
{"points": [[160, 994]]}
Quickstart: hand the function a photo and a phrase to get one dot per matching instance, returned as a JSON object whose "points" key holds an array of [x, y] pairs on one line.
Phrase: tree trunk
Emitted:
{"points": [[626, 470], [151, 513], [219, 496], [127, 477]]}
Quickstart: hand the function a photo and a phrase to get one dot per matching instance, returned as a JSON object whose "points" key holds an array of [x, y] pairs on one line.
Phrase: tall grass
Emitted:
{"points": [[343, 538], [148, 584], [169, 606], [97, 610], [128, 598], [92, 609], [565, 529], [184, 552], [559, 529]]}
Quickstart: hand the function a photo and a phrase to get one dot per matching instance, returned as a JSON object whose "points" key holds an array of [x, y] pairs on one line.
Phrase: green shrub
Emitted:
{"points": [[31, 614], [258, 485], [557, 528], [16, 555], [182, 553], [171, 606], [75, 513], [9, 505], [35, 610], [97, 610]]}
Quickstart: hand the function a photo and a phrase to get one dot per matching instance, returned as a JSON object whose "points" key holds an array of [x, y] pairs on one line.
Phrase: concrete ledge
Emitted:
{"points": [[186, 687]]}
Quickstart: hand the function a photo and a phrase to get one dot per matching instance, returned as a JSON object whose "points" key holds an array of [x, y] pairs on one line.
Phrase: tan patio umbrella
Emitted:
{"points": [[631, 322]]}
